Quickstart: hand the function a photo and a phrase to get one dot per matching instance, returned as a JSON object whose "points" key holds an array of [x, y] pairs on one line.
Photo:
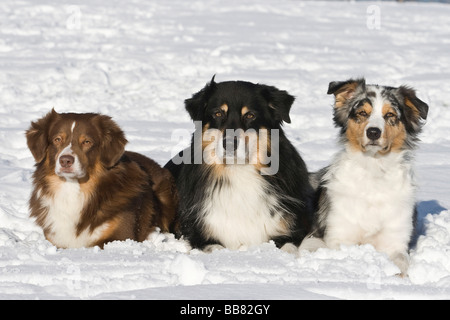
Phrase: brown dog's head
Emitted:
{"points": [[73, 144]]}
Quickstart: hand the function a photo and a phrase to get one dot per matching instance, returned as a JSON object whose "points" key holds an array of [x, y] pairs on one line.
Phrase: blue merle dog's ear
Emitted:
{"points": [[345, 90], [279, 101], [197, 104], [419, 107], [415, 110]]}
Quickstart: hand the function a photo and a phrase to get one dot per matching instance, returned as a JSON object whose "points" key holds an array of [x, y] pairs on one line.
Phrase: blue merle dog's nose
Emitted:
{"points": [[373, 133]]}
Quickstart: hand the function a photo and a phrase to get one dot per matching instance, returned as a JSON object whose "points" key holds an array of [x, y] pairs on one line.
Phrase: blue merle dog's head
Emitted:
{"points": [[377, 119]]}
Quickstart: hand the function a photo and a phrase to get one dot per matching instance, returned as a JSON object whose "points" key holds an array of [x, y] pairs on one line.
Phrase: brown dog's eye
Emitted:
{"points": [[86, 143], [57, 140]]}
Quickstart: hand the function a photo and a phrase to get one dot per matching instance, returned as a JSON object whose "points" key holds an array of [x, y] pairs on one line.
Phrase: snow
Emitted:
{"points": [[138, 60]]}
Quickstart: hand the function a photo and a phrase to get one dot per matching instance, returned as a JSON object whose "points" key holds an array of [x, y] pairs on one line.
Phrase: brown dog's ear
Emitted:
{"points": [[113, 145], [37, 136], [197, 104], [280, 102], [345, 90]]}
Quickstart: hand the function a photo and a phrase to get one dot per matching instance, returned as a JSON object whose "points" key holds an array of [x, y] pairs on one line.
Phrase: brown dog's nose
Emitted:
{"points": [[66, 161]]}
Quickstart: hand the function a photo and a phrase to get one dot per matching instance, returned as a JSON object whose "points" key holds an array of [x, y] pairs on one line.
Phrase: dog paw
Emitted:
{"points": [[401, 260], [312, 244], [213, 247], [290, 248]]}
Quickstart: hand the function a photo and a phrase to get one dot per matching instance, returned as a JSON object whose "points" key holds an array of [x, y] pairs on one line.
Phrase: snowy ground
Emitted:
{"points": [[138, 60]]}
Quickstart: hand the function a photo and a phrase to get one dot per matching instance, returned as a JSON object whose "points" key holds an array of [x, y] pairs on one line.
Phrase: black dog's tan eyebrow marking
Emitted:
{"points": [[244, 110], [224, 108]]}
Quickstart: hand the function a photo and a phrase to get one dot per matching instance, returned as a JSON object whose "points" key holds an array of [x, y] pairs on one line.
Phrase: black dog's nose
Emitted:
{"points": [[66, 161], [373, 133], [230, 143]]}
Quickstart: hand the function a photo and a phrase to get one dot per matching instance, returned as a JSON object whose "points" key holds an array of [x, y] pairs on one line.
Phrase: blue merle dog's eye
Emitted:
{"points": [[389, 115], [362, 113]]}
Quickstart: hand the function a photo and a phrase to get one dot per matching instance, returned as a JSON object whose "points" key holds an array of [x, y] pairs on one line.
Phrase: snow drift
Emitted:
{"points": [[138, 60]]}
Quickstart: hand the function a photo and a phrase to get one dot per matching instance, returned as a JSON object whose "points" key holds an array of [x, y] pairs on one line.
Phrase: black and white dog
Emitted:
{"points": [[241, 183], [367, 193]]}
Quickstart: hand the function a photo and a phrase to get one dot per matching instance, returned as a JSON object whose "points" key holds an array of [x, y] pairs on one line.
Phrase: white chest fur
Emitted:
{"points": [[64, 213], [241, 212], [372, 201]]}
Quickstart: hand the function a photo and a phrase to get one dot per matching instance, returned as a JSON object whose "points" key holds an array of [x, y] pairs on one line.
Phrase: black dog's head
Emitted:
{"points": [[235, 112], [240, 104]]}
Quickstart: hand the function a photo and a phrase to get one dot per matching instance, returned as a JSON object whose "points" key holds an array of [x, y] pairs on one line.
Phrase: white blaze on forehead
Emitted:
{"points": [[68, 149], [376, 117], [77, 170]]}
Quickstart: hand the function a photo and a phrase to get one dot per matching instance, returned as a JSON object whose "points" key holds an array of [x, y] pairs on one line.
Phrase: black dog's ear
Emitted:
{"points": [[37, 136], [196, 105], [279, 100], [415, 110], [345, 90]]}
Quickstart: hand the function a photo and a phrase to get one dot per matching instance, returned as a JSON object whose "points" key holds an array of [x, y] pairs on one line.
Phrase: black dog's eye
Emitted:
{"points": [[217, 114], [249, 116]]}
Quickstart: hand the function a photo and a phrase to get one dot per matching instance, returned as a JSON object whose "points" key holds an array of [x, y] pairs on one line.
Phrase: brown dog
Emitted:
{"points": [[88, 190]]}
